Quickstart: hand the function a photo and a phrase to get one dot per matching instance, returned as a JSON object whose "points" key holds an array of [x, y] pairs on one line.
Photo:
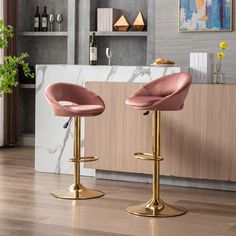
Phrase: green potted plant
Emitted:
{"points": [[9, 67]]}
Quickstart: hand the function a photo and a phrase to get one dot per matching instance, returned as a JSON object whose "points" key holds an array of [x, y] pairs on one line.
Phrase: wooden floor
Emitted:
{"points": [[27, 209]]}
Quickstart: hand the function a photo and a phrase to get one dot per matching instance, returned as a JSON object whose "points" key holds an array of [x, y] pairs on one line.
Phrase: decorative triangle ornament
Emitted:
{"points": [[122, 24], [139, 22]]}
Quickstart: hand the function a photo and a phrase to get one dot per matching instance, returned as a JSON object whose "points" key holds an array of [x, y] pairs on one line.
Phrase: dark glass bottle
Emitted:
{"points": [[93, 51], [44, 26], [37, 20]]}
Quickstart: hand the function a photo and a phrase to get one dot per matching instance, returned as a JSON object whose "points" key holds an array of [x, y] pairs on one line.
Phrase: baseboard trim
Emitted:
{"points": [[168, 180], [26, 140]]}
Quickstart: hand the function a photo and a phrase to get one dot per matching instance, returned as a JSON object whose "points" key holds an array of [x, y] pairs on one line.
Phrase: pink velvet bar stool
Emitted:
{"points": [[165, 94], [82, 103]]}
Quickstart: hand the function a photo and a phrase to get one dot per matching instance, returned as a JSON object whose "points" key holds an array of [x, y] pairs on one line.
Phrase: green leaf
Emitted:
{"points": [[9, 69]]}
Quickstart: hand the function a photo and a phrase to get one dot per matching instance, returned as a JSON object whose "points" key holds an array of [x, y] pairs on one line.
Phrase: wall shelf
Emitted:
{"points": [[27, 86], [43, 48], [121, 34], [45, 34]]}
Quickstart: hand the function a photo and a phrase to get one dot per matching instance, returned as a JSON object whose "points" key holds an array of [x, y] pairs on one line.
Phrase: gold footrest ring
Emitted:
{"points": [[154, 208], [84, 159], [147, 157]]}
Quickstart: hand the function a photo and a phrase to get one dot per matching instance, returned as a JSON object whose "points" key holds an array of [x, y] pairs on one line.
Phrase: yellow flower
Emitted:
{"points": [[220, 55], [223, 45]]}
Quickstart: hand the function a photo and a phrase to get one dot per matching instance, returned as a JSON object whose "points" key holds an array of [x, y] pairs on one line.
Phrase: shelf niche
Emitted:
{"points": [[129, 8], [128, 48], [125, 50], [26, 16], [27, 111], [44, 51]]}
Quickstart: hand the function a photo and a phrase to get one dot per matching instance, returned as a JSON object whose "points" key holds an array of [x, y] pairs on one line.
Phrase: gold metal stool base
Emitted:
{"points": [[155, 209], [80, 193], [77, 191]]}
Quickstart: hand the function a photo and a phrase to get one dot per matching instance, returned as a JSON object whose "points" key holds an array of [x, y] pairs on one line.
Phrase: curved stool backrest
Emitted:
{"points": [[172, 89], [66, 92]]}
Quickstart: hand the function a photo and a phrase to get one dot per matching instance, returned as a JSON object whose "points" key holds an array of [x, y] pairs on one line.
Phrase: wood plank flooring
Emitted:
{"points": [[27, 209]]}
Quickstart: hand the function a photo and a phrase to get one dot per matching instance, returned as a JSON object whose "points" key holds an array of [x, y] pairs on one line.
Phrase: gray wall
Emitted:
{"points": [[171, 44]]}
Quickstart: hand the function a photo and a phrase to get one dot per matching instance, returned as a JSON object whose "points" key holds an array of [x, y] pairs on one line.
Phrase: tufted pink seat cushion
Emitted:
{"points": [[142, 101], [86, 109], [83, 102], [165, 94]]}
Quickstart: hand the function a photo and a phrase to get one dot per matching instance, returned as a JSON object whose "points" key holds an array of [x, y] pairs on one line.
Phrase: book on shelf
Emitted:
{"points": [[106, 18], [201, 67]]}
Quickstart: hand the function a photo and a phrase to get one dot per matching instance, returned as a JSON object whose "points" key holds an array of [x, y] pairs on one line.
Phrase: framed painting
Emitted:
{"points": [[205, 15]]}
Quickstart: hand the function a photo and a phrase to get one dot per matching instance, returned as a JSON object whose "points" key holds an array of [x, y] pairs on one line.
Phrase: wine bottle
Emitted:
{"points": [[93, 51], [37, 20], [44, 20]]}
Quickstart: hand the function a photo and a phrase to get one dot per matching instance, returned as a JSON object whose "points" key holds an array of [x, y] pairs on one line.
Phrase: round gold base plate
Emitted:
{"points": [[81, 193], [163, 210]]}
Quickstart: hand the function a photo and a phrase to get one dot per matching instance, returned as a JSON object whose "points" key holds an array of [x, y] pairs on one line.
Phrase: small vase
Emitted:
{"points": [[218, 78]]}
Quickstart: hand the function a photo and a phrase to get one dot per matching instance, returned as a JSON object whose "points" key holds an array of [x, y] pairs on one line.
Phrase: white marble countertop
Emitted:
{"points": [[53, 144]]}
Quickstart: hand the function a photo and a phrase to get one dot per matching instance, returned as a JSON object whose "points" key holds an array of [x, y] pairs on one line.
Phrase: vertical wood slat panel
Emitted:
{"points": [[112, 136], [196, 142], [11, 101]]}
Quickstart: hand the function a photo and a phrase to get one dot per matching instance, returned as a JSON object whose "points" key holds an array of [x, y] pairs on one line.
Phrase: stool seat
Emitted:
{"points": [[84, 110], [165, 94], [142, 101], [83, 102]]}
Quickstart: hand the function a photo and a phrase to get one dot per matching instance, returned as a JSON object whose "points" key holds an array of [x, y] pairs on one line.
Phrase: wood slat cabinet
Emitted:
{"points": [[196, 142]]}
